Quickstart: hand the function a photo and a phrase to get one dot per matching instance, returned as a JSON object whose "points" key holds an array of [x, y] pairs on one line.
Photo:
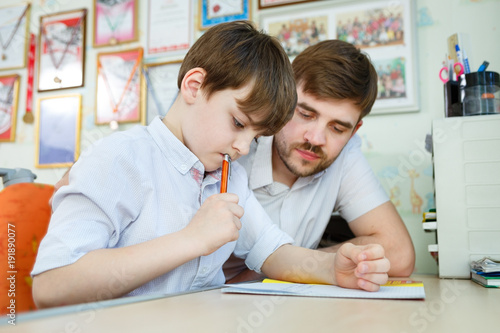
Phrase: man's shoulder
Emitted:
{"points": [[354, 143]]}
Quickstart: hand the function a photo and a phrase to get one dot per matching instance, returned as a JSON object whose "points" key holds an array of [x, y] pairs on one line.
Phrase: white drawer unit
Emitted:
{"points": [[466, 152]]}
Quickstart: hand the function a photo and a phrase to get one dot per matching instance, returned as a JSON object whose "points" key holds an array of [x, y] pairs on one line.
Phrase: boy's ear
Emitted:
{"points": [[191, 84]]}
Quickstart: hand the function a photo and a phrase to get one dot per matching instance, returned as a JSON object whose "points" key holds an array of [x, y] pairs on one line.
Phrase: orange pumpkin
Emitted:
{"points": [[24, 218]]}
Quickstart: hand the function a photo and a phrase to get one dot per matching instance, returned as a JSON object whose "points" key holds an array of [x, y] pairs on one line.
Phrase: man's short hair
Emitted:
{"points": [[334, 69]]}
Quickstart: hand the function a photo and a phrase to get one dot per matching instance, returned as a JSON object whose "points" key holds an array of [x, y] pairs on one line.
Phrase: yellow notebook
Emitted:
{"points": [[393, 289]]}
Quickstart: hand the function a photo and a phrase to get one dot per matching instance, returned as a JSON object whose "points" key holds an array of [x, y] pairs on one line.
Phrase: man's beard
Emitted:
{"points": [[306, 168]]}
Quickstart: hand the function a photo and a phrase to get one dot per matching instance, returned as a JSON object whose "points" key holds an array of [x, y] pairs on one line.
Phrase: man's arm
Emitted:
{"points": [[384, 226]]}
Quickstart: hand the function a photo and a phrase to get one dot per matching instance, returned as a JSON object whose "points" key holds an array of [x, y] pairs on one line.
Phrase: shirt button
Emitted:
{"points": [[183, 167], [204, 270]]}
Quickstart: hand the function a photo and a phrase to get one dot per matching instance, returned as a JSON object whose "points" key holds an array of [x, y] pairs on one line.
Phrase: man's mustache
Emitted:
{"points": [[314, 149]]}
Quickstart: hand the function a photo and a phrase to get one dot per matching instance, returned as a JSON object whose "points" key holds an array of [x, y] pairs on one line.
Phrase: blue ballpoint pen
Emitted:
{"points": [[483, 66]]}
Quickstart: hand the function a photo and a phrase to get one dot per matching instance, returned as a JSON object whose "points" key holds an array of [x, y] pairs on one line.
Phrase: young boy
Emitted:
{"points": [[142, 212]]}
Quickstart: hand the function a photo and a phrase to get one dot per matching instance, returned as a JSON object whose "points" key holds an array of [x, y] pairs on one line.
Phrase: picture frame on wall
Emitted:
{"points": [[212, 12], [298, 29], [9, 99], [58, 125], [115, 22], [118, 86], [14, 30], [159, 89], [61, 56], [263, 4], [170, 27], [385, 31]]}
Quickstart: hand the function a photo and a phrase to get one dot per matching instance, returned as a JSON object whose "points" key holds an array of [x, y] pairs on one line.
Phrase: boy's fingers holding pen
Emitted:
{"points": [[231, 197], [231, 200], [237, 222]]}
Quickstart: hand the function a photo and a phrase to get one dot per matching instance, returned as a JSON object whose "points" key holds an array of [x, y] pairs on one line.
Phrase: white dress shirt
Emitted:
{"points": [[140, 184], [348, 186]]}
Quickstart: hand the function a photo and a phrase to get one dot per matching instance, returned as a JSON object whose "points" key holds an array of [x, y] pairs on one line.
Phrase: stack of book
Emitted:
{"points": [[429, 224], [486, 272], [429, 221]]}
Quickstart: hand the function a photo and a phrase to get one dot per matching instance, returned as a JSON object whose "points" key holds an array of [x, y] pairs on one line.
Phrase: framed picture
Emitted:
{"points": [[14, 29], [212, 12], [58, 124], [118, 87], [9, 99], [61, 59], [263, 4], [115, 22], [159, 89], [383, 30], [170, 25]]}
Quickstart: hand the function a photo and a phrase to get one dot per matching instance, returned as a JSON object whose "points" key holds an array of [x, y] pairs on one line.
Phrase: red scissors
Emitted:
{"points": [[444, 73]]}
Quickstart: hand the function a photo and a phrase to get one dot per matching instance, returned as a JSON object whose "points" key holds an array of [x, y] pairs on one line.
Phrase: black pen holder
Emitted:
{"points": [[480, 93], [452, 100]]}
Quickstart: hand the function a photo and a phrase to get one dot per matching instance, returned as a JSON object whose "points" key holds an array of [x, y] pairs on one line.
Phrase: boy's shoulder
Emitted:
{"points": [[135, 136]]}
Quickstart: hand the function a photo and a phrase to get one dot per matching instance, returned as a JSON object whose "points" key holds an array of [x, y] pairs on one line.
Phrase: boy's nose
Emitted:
{"points": [[242, 144]]}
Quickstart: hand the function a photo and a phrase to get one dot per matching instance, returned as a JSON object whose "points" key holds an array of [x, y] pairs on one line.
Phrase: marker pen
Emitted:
{"points": [[226, 168]]}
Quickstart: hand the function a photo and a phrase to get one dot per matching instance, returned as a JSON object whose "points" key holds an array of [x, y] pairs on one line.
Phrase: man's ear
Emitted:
{"points": [[356, 128], [191, 84]]}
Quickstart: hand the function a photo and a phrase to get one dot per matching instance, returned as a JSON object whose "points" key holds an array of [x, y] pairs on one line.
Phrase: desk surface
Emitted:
{"points": [[450, 306]]}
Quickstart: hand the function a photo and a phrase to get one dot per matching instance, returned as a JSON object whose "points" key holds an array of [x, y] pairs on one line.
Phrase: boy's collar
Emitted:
{"points": [[172, 148]]}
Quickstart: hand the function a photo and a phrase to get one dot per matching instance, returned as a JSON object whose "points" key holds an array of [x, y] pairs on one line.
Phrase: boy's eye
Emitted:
{"points": [[237, 124]]}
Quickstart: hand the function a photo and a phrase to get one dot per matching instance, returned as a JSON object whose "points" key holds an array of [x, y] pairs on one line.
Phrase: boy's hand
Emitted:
{"points": [[361, 267], [217, 222]]}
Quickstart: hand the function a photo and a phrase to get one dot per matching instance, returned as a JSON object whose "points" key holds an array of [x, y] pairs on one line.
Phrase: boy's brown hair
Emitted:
{"points": [[235, 54], [334, 69]]}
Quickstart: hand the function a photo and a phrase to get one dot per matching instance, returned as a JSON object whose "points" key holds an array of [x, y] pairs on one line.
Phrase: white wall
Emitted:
{"points": [[393, 143]]}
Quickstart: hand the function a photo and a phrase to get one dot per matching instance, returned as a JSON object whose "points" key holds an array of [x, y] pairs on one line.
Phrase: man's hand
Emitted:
{"points": [[361, 267]]}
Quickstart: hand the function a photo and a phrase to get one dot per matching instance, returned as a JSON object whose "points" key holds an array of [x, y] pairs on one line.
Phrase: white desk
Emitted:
{"points": [[450, 306]]}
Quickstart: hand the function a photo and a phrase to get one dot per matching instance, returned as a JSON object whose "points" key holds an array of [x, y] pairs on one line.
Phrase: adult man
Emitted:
{"points": [[314, 165]]}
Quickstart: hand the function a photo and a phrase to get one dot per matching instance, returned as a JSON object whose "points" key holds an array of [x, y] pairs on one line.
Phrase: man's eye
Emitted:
{"points": [[305, 115], [337, 129], [237, 124]]}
